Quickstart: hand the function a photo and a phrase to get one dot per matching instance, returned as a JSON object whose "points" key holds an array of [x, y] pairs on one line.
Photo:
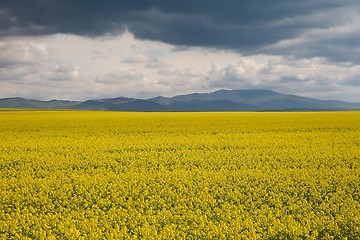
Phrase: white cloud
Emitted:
{"points": [[313, 77], [72, 67], [20, 53]]}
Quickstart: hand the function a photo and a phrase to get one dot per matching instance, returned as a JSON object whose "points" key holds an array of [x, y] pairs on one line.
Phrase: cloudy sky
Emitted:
{"points": [[81, 49]]}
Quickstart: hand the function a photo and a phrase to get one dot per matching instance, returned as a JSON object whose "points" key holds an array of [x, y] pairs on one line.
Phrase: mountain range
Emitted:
{"points": [[221, 100]]}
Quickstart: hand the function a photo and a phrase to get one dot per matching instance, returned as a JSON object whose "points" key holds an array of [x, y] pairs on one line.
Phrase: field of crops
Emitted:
{"points": [[111, 175]]}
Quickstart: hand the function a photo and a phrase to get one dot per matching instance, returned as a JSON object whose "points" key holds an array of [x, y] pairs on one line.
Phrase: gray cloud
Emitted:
{"points": [[146, 61], [337, 42], [256, 26], [122, 77]]}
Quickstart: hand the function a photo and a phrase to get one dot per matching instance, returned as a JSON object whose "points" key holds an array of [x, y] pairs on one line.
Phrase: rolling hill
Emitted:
{"points": [[221, 100]]}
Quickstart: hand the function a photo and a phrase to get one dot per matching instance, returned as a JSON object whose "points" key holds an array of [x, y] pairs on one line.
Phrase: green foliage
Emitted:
{"points": [[107, 175]]}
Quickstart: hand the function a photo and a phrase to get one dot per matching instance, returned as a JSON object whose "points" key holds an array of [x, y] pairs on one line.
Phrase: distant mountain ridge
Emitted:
{"points": [[221, 100]]}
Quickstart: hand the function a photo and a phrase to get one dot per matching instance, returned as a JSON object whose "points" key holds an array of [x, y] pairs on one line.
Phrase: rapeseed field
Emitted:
{"points": [[112, 175]]}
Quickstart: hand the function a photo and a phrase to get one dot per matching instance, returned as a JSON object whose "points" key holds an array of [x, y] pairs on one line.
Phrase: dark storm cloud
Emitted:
{"points": [[248, 26]]}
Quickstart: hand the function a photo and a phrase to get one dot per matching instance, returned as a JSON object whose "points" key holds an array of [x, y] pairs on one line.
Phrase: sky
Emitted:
{"points": [[86, 49]]}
